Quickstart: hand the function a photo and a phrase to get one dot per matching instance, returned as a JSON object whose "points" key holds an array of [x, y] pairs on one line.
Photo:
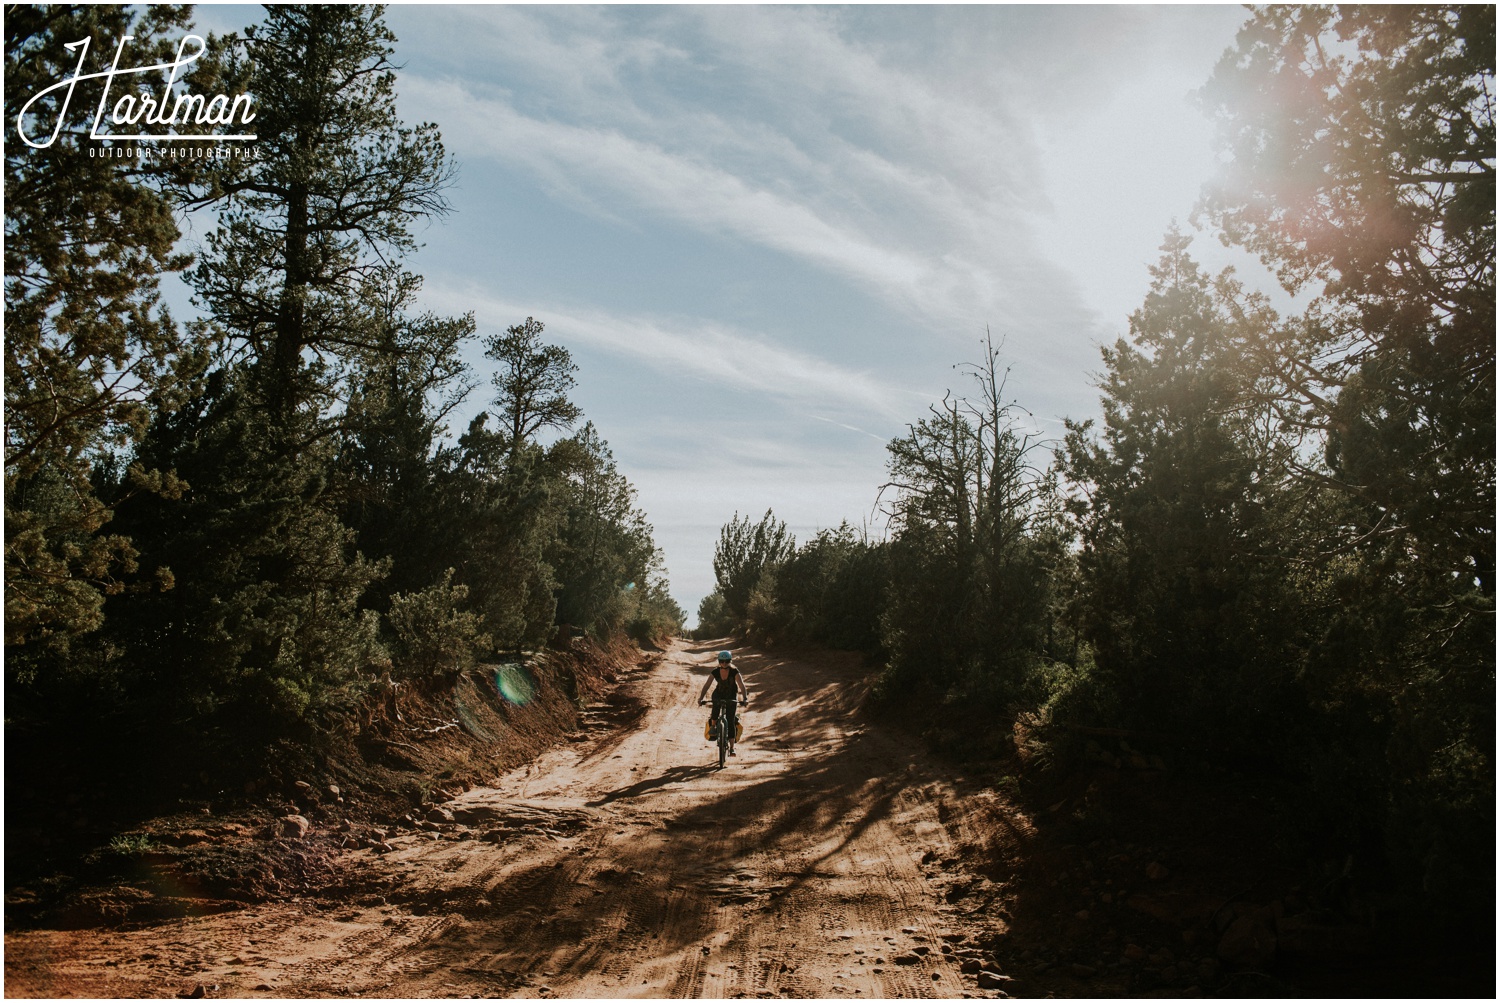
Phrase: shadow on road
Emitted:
{"points": [[843, 779], [675, 775]]}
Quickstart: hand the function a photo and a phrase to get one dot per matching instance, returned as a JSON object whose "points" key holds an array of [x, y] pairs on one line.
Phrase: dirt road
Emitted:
{"points": [[819, 863]]}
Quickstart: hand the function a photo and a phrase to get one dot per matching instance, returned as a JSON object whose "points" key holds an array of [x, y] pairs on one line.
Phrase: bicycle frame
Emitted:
{"points": [[725, 739]]}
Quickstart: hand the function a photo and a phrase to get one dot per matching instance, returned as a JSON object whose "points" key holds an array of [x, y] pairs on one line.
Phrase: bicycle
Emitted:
{"points": [[725, 740]]}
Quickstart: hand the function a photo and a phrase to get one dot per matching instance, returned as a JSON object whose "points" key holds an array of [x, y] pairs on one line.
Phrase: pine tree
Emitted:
{"points": [[89, 349], [532, 383], [303, 277], [310, 228], [1361, 167], [746, 552], [1188, 611], [1362, 170], [604, 550]]}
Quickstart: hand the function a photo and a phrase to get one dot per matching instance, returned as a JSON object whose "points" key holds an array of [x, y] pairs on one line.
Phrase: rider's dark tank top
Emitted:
{"points": [[725, 687]]}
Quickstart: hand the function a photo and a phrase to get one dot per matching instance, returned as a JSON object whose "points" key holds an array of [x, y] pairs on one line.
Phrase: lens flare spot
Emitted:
{"points": [[514, 684]]}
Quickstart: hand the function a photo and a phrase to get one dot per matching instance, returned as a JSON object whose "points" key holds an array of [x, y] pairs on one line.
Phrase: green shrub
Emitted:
{"points": [[434, 634], [131, 844], [714, 618], [745, 551]]}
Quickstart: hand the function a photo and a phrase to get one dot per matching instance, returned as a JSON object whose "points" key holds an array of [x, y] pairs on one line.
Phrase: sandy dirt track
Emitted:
{"points": [[626, 865]]}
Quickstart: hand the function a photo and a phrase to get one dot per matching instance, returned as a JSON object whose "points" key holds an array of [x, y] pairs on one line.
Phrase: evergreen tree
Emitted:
{"points": [[532, 383], [502, 512], [391, 445], [302, 275], [1362, 169], [745, 553], [1188, 607], [289, 514], [89, 349], [604, 548], [310, 227], [833, 590]]}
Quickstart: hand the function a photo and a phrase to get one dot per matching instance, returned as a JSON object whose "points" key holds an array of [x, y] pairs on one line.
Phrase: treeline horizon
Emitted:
{"points": [[221, 535], [1276, 548]]}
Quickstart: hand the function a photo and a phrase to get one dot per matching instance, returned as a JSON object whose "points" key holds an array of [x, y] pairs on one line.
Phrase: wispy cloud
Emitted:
{"points": [[783, 131], [704, 350], [574, 158], [852, 428]]}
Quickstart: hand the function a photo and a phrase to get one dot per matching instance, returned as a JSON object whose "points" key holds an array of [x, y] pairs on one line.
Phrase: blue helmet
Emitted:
{"points": [[725, 656]]}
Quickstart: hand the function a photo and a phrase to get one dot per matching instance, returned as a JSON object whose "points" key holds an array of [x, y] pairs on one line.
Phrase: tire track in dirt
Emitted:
{"points": [[623, 865]]}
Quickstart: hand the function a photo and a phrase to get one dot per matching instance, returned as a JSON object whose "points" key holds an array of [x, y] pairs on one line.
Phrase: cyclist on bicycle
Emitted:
{"points": [[726, 682]]}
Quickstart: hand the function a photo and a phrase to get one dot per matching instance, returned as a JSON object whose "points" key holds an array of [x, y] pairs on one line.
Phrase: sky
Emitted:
{"points": [[768, 235]]}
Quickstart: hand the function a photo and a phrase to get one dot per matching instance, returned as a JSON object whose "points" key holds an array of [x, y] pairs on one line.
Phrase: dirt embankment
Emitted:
{"points": [[81, 861], [833, 857]]}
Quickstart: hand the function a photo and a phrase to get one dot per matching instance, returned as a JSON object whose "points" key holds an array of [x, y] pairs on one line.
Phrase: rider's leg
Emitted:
{"points": [[734, 716]]}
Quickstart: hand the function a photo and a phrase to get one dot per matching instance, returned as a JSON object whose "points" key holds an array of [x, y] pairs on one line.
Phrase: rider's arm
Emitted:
{"points": [[740, 680], [707, 683]]}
